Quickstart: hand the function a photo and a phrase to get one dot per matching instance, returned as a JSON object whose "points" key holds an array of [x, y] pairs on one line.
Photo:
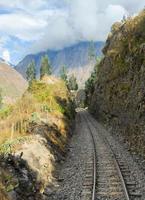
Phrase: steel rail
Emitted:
{"points": [[94, 164], [115, 162]]}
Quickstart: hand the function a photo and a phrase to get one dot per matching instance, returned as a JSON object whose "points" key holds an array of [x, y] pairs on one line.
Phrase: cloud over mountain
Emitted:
{"points": [[53, 24]]}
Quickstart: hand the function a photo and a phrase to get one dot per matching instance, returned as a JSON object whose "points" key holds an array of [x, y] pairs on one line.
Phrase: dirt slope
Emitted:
{"points": [[12, 83], [34, 140]]}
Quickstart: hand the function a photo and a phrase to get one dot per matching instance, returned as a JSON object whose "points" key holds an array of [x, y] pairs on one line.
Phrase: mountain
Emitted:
{"points": [[74, 57], [119, 92], [12, 83]]}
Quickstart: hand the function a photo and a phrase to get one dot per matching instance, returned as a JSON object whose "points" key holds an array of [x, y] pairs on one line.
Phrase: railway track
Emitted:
{"points": [[108, 177]]}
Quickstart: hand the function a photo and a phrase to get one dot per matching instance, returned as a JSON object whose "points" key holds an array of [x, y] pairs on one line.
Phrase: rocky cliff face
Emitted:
{"points": [[74, 57], [119, 96]]}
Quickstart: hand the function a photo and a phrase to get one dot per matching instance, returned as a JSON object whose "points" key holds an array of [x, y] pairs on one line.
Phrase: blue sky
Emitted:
{"points": [[31, 26]]}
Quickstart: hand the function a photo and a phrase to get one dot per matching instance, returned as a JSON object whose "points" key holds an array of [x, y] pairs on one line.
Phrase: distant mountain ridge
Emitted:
{"points": [[73, 57]]}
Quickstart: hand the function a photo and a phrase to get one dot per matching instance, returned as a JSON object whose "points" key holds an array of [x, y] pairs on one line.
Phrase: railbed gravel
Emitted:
{"points": [[135, 163], [72, 171]]}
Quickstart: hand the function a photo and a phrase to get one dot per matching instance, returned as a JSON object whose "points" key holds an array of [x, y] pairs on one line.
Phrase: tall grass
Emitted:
{"points": [[36, 103]]}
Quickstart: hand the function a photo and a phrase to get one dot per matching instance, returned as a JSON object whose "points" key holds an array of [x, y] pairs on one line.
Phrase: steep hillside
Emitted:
{"points": [[6, 62], [119, 96], [12, 83], [72, 57], [33, 140]]}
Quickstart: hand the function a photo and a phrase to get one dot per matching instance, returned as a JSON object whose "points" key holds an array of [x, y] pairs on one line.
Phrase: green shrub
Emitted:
{"points": [[35, 117], [5, 111]]}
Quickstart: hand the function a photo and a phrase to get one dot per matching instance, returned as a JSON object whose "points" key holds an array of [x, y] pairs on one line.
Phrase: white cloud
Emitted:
{"points": [[85, 20], [24, 4], [54, 24], [23, 26], [6, 55], [93, 23]]}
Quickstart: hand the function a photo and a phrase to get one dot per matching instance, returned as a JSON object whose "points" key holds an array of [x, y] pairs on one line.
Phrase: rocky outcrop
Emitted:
{"points": [[119, 96]]}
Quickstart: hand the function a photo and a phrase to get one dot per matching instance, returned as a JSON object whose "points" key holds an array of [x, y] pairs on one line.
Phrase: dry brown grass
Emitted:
{"points": [[3, 196], [32, 103], [16, 124], [44, 105]]}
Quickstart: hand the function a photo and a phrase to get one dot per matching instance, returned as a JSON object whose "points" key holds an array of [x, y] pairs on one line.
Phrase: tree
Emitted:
{"points": [[91, 51], [63, 74], [72, 83], [31, 72], [90, 83], [45, 68]]}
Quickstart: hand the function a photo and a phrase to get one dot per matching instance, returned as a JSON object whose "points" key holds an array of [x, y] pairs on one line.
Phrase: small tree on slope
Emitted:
{"points": [[63, 74], [31, 72], [72, 83], [45, 68]]}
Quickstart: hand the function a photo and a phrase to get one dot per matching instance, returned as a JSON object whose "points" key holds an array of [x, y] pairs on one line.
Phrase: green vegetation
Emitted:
{"points": [[72, 83], [115, 27], [81, 98], [43, 114], [90, 83], [63, 74], [5, 111], [46, 110], [31, 72], [128, 44], [45, 68], [91, 51], [45, 94], [49, 96], [118, 98], [53, 98], [8, 146]]}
